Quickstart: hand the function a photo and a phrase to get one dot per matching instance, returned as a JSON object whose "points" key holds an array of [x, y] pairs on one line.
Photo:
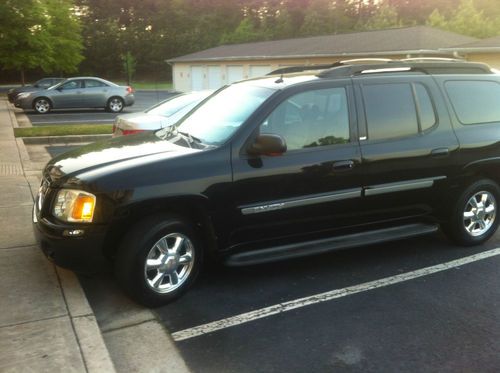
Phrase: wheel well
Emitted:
{"points": [[186, 208], [112, 97], [38, 98], [486, 171]]}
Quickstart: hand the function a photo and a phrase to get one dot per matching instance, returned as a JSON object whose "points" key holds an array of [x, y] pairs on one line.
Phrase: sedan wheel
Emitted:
{"points": [[41, 105], [115, 104]]}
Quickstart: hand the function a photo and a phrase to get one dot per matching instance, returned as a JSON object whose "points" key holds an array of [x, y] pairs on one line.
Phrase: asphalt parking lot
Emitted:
{"points": [[143, 100], [375, 309]]}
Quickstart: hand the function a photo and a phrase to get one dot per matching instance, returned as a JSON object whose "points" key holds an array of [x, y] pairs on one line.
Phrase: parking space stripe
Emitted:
{"points": [[326, 296]]}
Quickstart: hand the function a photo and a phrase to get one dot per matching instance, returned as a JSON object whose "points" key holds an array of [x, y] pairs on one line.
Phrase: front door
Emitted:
{"points": [[69, 95], [313, 188]]}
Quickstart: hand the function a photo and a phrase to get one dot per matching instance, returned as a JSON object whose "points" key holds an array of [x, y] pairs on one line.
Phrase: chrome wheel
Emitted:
{"points": [[42, 106], [479, 214], [169, 263], [115, 105]]}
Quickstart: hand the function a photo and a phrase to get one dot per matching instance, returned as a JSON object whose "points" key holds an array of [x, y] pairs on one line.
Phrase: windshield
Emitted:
{"points": [[172, 105], [222, 114]]}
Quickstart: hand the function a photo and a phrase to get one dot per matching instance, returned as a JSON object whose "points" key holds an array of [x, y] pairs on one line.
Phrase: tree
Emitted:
{"points": [[39, 34], [466, 20], [385, 17]]}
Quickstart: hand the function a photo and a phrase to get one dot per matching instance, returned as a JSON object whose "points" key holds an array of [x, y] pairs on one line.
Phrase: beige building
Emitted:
{"points": [[214, 67]]}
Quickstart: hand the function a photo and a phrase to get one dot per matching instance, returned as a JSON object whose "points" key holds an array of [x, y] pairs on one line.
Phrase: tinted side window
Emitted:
{"points": [[390, 110], [310, 119], [425, 107], [475, 101], [94, 83], [73, 84]]}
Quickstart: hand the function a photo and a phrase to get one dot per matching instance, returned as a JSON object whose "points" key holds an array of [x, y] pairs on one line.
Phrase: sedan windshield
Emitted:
{"points": [[222, 114]]}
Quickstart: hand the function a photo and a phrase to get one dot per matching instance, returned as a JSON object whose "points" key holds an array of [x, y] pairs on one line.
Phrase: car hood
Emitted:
{"points": [[25, 89], [143, 121], [113, 152]]}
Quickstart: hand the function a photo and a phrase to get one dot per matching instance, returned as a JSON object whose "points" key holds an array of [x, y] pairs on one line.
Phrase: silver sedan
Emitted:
{"points": [[81, 92], [164, 114]]}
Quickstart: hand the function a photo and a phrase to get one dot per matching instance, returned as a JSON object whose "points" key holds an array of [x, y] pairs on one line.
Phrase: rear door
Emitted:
{"points": [[315, 186], [95, 93], [408, 147]]}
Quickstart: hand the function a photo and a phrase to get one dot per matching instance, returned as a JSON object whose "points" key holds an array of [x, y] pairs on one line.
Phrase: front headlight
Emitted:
{"points": [[21, 96], [74, 206]]}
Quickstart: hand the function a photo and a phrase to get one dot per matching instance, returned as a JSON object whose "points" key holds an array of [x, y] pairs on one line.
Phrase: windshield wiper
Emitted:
{"points": [[191, 137]]}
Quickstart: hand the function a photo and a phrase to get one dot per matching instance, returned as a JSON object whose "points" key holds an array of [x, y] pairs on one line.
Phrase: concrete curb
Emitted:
{"points": [[87, 333]]}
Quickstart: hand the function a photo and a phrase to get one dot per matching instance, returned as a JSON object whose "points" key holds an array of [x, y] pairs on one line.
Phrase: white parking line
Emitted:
{"points": [[323, 297]]}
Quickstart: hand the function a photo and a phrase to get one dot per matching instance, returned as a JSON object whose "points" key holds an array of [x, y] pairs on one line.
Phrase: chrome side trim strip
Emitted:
{"points": [[303, 201], [401, 186]]}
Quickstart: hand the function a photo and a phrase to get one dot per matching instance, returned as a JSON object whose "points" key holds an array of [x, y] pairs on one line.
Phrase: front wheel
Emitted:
{"points": [[474, 218], [115, 105], [41, 105], [158, 260]]}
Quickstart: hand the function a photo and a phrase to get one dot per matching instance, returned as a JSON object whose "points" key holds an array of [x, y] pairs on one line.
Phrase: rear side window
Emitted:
{"points": [[475, 102], [397, 110]]}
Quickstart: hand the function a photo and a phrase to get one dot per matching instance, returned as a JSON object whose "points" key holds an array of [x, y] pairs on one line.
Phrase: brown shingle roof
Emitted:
{"points": [[408, 39]]}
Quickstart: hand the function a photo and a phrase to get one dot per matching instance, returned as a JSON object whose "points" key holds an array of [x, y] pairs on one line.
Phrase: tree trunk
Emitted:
{"points": [[22, 77]]}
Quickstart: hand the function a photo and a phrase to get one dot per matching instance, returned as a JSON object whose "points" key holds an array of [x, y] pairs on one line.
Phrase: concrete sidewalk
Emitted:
{"points": [[46, 323]]}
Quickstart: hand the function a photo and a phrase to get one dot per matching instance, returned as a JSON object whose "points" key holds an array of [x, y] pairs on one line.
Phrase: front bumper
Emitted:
{"points": [[83, 253], [24, 103]]}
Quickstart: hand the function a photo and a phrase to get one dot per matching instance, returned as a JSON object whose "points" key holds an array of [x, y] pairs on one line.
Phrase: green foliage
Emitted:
{"points": [[466, 20], [385, 17], [39, 34]]}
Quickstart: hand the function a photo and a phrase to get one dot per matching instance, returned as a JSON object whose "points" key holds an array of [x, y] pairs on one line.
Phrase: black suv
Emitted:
{"points": [[280, 167]]}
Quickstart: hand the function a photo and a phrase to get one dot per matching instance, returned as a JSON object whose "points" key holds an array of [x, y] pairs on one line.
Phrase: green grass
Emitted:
{"points": [[64, 130], [148, 85]]}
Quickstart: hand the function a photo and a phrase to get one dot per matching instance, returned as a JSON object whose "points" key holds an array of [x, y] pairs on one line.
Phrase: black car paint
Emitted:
{"points": [[136, 176]]}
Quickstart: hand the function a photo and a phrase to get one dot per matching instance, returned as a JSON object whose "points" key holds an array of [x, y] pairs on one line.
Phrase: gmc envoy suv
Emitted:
{"points": [[279, 167]]}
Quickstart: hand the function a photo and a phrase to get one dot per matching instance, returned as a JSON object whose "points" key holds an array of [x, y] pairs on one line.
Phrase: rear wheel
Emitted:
{"points": [[474, 217], [158, 260], [115, 104], [42, 105]]}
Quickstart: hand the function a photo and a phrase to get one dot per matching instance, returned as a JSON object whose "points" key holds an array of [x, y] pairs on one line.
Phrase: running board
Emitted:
{"points": [[274, 254]]}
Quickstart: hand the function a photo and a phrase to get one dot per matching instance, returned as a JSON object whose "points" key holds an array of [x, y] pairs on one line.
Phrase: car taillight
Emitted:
{"points": [[130, 90], [131, 132]]}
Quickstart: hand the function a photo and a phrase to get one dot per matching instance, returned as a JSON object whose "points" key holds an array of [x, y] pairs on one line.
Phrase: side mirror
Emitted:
{"points": [[268, 144]]}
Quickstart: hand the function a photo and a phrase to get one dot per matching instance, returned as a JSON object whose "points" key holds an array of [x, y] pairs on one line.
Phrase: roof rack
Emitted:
{"points": [[431, 59], [419, 65], [298, 69]]}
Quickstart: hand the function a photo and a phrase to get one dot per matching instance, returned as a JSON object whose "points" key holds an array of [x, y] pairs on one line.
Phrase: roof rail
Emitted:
{"points": [[298, 69], [431, 59], [402, 66], [365, 60]]}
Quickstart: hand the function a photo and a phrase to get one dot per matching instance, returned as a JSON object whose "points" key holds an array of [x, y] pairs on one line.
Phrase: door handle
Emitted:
{"points": [[343, 165], [440, 152]]}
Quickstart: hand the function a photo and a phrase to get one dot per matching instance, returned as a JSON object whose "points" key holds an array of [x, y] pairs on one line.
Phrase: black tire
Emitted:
{"points": [[145, 239], [42, 105], [115, 105], [466, 231]]}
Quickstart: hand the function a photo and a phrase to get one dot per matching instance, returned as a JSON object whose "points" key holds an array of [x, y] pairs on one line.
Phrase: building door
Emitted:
{"points": [[214, 77], [197, 78]]}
